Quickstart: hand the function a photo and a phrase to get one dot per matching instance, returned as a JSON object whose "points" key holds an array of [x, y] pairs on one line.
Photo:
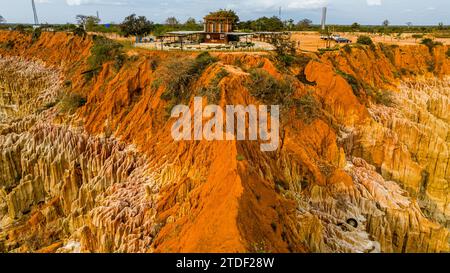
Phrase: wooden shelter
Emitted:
{"points": [[218, 26]]}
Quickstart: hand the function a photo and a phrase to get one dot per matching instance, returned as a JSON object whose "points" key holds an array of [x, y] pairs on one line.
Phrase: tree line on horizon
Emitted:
{"points": [[134, 25]]}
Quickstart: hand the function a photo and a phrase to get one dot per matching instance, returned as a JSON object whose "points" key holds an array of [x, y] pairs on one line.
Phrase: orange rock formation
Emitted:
{"points": [[109, 177]]}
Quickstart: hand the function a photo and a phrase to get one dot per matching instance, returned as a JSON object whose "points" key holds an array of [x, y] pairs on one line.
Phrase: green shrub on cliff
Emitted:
{"points": [[308, 108], [302, 61], [71, 102], [354, 83], [430, 44], [212, 91], [8, 45], [347, 48], [20, 28], [431, 65], [79, 31], [384, 97], [203, 60], [104, 50], [272, 91], [36, 34], [269, 90], [178, 75], [364, 40], [389, 51], [285, 49]]}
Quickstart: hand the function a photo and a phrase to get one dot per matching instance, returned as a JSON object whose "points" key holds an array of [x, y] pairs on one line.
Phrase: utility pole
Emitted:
{"points": [[36, 21], [324, 17]]}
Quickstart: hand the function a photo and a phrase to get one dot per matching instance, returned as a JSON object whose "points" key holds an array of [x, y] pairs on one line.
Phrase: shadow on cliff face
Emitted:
{"points": [[210, 196], [266, 219]]}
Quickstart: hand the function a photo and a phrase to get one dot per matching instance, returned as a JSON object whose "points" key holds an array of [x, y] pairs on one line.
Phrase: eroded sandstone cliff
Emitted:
{"points": [[357, 170]]}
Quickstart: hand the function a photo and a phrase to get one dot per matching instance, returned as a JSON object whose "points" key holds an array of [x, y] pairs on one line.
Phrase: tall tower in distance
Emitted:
{"points": [[36, 21], [324, 17]]}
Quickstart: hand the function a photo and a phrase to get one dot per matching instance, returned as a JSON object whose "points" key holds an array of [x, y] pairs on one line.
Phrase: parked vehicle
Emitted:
{"points": [[335, 37], [341, 40]]}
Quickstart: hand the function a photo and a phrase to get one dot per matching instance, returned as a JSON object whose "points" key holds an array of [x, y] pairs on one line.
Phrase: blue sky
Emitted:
{"points": [[419, 12]]}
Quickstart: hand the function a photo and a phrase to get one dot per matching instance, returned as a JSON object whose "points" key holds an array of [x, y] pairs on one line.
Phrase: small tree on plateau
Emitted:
{"points": [[172, 21], [191, 24], [355, 26], [88, 22], [223, 13], [284, 48], [304, 24], [137, 26], [289, 23], [386, 24], [190, 21]]}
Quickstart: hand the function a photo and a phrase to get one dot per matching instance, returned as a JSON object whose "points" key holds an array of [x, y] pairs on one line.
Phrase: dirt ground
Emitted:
{"points": [[310, 41]]}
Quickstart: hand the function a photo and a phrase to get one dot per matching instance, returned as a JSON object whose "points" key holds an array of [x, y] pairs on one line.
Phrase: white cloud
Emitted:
{"points": [[286, 4], [255, 5], [374, 2], [99, 2], [307, 4], [77, 2]]}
